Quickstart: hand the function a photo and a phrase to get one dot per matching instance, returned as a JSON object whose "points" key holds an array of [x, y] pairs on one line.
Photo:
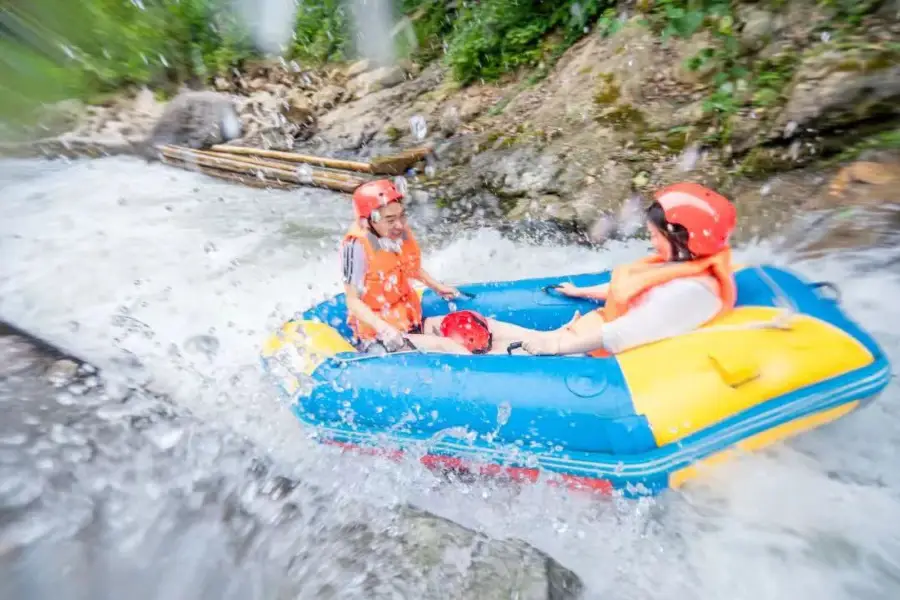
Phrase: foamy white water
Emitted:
{"points": [[122, 262]]}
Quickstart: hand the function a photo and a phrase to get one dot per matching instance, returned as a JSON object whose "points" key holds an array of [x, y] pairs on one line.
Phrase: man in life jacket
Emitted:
{"points": [[380, 258], [686, 283]]}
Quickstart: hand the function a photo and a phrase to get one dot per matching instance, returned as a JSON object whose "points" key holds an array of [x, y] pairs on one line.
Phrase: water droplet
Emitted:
{"points": [[504, 410], [401, 184], [689, 158], [305, 173], [790, 128], [418, 127]]}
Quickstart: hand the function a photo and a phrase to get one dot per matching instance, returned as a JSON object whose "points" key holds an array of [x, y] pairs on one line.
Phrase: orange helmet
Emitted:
{"points": [[708, 217], [468, 328], [371, 196]]}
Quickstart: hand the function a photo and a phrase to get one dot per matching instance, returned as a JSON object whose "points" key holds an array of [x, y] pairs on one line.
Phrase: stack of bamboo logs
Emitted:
{"points": [[286, 170]]}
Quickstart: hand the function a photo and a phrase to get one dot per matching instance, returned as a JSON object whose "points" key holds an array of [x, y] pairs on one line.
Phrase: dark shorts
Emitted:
{"points": [[377, 347]]}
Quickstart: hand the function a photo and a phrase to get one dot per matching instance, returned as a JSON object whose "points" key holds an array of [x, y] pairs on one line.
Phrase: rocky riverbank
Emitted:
{"points": [[765, 89]]}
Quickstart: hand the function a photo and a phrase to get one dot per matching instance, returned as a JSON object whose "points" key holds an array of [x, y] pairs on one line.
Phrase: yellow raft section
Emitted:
{"points": [[692, 382]]}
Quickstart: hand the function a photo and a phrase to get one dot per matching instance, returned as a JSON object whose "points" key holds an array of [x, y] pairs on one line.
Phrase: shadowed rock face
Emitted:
{"points": [[109, 496], [197, 120]]}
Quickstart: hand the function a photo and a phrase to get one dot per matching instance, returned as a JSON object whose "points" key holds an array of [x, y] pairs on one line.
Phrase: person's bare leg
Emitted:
{"points": [[432, 326], [507, 333], [433, 343]]}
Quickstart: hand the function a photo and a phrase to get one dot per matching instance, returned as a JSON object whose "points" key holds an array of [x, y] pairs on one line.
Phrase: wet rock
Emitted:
{"points": [[519, 172], [377, 79], [222, 84], [475, 566], [359, 67], [758, 26], [17, 355], [62, 372], [301, 113], [328, 97], [863, 171], [356, 125], [450, 120], [471, 107], [687, 66], [837, 88], [276, 120]]}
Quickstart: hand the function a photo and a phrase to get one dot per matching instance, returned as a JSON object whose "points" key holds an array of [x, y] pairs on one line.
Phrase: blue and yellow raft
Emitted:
{"points": [[786, 360]]}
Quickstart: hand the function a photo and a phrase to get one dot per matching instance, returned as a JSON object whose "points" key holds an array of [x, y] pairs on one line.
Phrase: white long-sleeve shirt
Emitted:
{"points": [[671, 309]]}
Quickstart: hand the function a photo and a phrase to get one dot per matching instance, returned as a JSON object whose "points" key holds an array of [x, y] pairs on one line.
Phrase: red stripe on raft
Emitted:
{"points": [[452, 463]]}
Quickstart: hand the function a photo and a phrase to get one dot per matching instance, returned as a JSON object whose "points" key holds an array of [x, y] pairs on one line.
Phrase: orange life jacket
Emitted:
{"points": [[629, 283], [387, 287]]}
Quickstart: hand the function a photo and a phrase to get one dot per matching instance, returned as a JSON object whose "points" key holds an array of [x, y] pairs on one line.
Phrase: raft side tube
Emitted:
{"points": [[571, 403]]}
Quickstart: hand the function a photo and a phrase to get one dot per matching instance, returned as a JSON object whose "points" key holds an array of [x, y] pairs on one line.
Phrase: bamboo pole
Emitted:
{"points": [[319, 179], [383, 165], [334, 163], [229, 176], [290, 167]]}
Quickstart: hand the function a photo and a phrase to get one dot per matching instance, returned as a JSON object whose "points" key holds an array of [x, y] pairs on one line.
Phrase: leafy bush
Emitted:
{"points": [[320, 33], [493, 37]]}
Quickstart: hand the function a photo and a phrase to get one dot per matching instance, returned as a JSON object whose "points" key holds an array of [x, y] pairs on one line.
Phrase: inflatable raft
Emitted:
{"points": [[786, 360]]}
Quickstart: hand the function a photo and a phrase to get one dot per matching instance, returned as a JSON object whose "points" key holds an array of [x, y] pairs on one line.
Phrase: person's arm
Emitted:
{"points": [[353, 268], [669, 310], [434, 284], [594, 292], [360, 310]]}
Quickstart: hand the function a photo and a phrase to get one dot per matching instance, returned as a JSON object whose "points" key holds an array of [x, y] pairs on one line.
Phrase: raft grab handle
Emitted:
{"points": [[835, 290]]}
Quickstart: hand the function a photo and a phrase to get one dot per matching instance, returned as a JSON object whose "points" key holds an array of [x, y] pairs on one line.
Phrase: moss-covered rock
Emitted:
{"points": [[623, 117], [608, 91]]}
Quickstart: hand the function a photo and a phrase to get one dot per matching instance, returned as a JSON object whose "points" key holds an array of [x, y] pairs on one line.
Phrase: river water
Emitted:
{"points": [[172, 280]]}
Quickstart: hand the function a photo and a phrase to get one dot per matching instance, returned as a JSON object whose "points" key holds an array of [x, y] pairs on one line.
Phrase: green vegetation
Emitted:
{"points": [[494, 37], [50, 49], [53, 49]]}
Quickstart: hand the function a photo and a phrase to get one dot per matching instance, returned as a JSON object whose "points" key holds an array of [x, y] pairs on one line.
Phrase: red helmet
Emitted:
{"points": [[371, 196], [469, 329], [708, 217]]}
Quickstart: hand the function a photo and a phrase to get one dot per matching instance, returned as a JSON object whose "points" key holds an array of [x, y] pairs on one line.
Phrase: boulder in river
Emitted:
{"points": [[197, 119]]}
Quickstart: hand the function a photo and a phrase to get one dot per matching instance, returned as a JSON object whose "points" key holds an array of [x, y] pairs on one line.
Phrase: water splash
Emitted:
{"points": [[374, 24], [270, 22], [741, 521]]}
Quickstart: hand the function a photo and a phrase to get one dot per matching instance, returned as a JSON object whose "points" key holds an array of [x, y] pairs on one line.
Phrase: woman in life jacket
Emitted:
{"points": [[380, 258], [686, 283]]}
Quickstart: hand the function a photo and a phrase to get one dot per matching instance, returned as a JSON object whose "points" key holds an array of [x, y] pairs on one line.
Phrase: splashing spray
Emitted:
{"points": [[270, 22]]}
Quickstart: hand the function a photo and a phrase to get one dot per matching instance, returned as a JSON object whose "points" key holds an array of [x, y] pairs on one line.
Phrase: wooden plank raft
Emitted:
{"points": [[260, 172], [396, 164]]}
